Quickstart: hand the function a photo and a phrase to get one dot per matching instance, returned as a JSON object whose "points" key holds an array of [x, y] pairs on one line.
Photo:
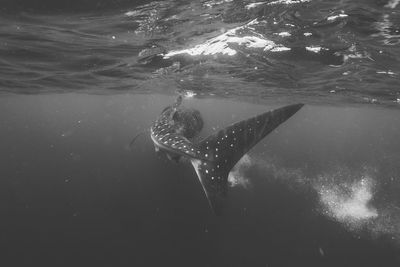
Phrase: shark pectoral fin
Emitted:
{"points": [[134, 139], [214, 181], [228, 145]]}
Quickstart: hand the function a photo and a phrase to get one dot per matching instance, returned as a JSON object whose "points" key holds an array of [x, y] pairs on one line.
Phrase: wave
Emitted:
{"points": [[309, 50], [71, 6]]}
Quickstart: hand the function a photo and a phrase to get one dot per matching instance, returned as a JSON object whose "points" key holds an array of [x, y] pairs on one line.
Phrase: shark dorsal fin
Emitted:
{"points": [[225, 148]]}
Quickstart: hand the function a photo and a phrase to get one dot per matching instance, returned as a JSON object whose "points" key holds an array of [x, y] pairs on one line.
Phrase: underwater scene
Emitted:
{"points": [[200, 133]]}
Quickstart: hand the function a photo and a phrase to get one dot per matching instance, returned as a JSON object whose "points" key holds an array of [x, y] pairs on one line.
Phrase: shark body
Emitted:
{"points": [[215, 156]]}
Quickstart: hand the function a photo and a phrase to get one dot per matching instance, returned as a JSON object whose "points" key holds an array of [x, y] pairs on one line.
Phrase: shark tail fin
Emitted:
{"points": [[222, 150], [214, 179]]}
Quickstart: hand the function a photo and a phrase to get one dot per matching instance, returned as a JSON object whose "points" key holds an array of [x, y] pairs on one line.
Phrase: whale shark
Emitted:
{"points": [[173, 134]]}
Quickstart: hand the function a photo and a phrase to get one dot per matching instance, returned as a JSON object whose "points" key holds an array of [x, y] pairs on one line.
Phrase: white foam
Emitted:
{"points": [[386, 72], [220, 44], [392, 3], [212, 3], [189, 94], [280, 49], [337, 17], [315, 49], [253, 5], [348, 203], [288, 2], [283, 34], [131, 13], [236, 176], [253, 22]]}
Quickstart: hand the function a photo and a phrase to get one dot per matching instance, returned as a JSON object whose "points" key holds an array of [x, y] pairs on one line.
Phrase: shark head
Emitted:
{"points": [[174, 130], [215, 156]]}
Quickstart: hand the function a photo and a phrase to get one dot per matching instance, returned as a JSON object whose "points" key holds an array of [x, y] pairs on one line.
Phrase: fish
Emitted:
{"points": [[174, 131]]}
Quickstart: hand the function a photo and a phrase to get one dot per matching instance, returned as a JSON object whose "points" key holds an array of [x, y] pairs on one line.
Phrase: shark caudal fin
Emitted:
{"points": [[226, 147]]}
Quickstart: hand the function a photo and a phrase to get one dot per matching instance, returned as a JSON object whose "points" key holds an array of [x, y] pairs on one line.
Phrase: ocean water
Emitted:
{"points": [[80, 79]]}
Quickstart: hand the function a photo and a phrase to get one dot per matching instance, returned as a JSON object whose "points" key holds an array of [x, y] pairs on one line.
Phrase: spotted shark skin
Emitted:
{"points": [[215, 156], [166, 135]]}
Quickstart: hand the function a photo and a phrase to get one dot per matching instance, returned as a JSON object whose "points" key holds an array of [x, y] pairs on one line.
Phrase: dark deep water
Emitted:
{"points": [[79, 79]]}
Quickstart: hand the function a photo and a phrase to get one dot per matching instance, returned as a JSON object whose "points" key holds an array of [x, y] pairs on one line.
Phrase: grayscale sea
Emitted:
{"points": [[80, 79]]}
